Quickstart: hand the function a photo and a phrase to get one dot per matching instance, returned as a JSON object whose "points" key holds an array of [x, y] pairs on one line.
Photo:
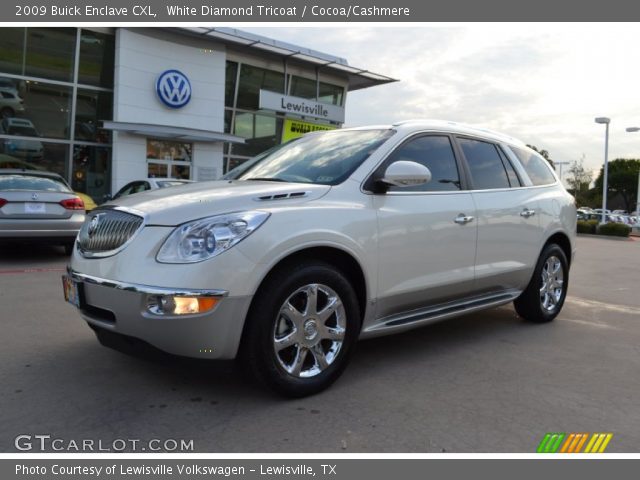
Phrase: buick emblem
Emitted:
{"points": [[34, 196], [93, 225], [173, 88]]}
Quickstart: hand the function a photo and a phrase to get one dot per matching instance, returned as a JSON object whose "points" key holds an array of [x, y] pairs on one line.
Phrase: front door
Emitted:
{"points": [[427, 233]]}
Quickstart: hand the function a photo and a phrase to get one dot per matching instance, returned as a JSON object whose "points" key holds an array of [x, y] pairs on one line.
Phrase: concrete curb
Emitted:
{"points": [[608, 237]]}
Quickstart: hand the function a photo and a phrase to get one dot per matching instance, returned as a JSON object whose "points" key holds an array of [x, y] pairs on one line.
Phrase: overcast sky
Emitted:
{"points": [[541, 83]]}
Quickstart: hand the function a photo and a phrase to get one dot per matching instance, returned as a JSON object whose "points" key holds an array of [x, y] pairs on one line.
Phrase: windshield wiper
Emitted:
{"points": [[266, 179]]}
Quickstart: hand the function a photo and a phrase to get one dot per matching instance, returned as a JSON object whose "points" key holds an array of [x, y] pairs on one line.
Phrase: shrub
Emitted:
{"points": [[587, 226], [615, 229]]}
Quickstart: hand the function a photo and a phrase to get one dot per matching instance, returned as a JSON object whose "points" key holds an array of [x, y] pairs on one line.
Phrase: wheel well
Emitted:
{"points": [[563, 242], [337, 258]]}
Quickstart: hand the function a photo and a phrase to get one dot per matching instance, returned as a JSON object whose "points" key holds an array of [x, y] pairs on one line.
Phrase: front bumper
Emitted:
{"points": [[121, 308]]}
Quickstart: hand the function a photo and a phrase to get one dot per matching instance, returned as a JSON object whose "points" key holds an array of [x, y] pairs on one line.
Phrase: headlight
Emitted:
{"points": [[205, 238]]}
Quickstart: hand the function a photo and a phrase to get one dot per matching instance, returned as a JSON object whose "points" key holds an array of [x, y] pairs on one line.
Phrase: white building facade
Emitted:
{"points": [[105, 107]]}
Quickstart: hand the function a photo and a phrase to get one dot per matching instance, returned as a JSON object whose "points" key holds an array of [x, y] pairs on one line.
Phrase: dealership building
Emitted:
{"points": [[106, 106]]}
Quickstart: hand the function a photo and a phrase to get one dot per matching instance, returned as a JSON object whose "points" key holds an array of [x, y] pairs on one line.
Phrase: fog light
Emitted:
{"points": [[174, 305]]}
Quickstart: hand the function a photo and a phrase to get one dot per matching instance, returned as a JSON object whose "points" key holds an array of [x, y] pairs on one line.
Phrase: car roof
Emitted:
{"points": [[449, 127]]}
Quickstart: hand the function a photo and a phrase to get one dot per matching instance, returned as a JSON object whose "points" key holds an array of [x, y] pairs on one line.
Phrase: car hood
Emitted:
{"points": [[175, 205]]}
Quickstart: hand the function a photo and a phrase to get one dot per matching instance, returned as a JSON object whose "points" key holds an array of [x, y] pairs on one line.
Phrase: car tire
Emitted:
{"points": [[290, 346], [544, 297]]}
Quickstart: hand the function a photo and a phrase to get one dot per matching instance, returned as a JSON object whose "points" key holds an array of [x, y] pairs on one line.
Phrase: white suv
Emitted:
{"points": [[339, 235]]}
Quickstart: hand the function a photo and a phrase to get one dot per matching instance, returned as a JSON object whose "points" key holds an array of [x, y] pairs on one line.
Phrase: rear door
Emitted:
{"points": [[509, 233], [426, 252]]}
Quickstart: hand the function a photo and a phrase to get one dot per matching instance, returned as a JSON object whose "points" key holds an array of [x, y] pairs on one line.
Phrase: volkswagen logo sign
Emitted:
{"points": [[34, 196], [173, 88]]}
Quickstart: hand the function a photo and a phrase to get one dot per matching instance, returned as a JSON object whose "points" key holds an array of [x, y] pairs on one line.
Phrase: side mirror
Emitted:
{"points": [[404, 173], [106, 197]]}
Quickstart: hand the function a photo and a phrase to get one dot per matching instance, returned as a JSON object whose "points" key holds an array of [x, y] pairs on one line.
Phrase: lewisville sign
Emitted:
{"points": [[300, 106]]}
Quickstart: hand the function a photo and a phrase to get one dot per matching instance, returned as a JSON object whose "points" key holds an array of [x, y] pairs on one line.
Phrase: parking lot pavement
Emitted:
{"points": [[486, 382]]}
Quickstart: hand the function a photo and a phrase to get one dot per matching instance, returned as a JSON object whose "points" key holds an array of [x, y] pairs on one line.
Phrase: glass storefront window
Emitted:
{"points": [[332, 94], [91, 171], [48, 107], [157, 170], [11, 48], [231, 74], [92, 107], [50, 53], [97, 56], [260, 131], [181, 171], [32, 154], [303, 87], [165, 156], [254, 79], [306, 88], [228, 115], [34, 111]]}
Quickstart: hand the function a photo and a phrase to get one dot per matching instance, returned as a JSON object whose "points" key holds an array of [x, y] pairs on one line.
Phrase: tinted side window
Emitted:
{"points": [[485, 164], [514, 180], [436, 153], [537, 168], [126, 190]]}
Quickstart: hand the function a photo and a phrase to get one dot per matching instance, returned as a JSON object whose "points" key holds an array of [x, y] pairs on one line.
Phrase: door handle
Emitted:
{"points": [[463, 219], [527, 212]]}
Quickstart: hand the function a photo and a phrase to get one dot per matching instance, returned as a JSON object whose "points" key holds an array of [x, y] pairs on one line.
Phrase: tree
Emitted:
{"points": [[622, 179], [578, 181], [544, 154]]}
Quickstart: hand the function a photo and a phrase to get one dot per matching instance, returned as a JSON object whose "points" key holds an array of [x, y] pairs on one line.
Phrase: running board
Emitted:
{"points": [[414, 318]]}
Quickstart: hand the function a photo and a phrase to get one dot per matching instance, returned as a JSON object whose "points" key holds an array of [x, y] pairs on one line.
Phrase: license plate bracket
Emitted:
{"points": [[71, 290]]}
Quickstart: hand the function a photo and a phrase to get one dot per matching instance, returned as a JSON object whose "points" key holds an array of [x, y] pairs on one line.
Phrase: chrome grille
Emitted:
{"points": [[106, 231]]}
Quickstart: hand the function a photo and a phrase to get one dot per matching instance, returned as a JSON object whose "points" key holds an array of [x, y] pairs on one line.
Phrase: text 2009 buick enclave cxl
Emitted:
{"points": [[336, 236]]}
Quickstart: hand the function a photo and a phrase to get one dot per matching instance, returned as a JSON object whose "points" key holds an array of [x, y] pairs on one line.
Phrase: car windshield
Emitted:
{"points": [[248, 164], [31, 183], [327, 158]]}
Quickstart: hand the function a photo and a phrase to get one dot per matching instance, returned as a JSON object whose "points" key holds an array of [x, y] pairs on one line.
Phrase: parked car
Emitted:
{"points": [[20, 147], [10, 102], [139, 186], [89, 203], [38, 207], [341, 235]]}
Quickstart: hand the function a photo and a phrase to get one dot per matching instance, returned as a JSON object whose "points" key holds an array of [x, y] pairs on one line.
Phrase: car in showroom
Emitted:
{"points": [[139, 186], [21, 147], [10, 102], [39, 207], [339, 236]]}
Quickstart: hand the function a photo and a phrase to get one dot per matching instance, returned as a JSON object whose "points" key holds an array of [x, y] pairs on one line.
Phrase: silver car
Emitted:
{"points": [[340, 235], [39, 206]]}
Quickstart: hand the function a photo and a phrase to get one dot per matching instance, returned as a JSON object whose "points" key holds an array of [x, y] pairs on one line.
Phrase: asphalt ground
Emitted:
{"points": [[485, 382]]}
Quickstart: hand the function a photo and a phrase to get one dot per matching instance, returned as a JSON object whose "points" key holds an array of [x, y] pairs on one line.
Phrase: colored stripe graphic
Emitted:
{"points": [[550, 443], [556, 442]]}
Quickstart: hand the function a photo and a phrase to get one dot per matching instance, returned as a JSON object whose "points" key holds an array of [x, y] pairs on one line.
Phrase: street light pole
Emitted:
{"points": [[636, 129], [606, 121], [561, 164]]}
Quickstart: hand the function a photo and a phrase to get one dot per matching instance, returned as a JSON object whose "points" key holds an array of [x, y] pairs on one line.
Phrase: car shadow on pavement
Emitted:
{"points": [[12, 253]]}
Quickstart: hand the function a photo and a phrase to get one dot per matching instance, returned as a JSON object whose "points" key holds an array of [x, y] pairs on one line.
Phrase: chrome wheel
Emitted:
{"points": [[309, 330], [552, 283]]}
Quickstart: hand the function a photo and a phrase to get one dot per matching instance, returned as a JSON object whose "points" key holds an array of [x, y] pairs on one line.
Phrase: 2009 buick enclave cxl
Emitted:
{"points": [[337, 236]]}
